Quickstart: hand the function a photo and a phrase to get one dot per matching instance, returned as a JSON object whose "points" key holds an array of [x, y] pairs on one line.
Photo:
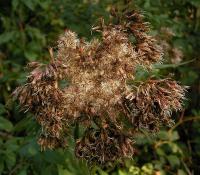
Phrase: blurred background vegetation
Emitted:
{"points": [[29, 27]]}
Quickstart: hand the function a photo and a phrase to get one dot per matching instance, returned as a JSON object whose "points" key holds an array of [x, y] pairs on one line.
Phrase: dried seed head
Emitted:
{"points": [[151, 104], [98, 72], [172, 54], [101, 146]]}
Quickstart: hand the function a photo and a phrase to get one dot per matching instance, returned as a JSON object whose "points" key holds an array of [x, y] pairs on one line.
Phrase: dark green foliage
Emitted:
{"points": [[29, 27]]}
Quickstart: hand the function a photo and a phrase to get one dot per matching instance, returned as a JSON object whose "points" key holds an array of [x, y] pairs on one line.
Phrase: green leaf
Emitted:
{"points": [[134, 170], [175, 148], [101, 172], [36, 34], [1, 166], [173, 160], [62, 171], [160, 152], [181, 172], [31, 55], [15, 4], [195, 2], [44, 4], [53, 157], [163, 135], [122, 172], [6, 36], [174, 136], [5, 124], [23, 172], [22, 124], [30, 3], [2, 109], [33, 50], [10, 159], [12, 144], [30, 149], [147, 169]]}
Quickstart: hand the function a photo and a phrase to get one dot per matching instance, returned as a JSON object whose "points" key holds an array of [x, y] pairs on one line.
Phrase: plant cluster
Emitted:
{"points": [[98, 95]]}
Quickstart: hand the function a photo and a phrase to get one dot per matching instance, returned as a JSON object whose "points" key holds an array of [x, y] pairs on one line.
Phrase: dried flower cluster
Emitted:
{"points": [[104, 145], [152, 103], [98, 95], [172, 54]]}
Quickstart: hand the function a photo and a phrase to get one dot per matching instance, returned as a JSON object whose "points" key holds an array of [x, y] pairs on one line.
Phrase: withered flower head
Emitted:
{"points": [[151, 104], [103, 145], [98, 72], [172, 54]]}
